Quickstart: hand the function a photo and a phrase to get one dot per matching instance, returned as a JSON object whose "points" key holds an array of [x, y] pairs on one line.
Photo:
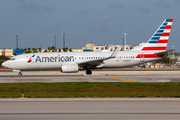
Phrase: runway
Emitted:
{"points": [[90, 108], [98, 76]]}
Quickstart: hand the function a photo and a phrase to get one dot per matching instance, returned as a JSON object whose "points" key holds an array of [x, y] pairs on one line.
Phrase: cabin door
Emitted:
{"points": [[141, 57]]}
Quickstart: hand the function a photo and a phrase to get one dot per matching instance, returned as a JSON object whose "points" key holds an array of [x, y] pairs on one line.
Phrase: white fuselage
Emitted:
{"points": [[68, 62], [55, 60]]}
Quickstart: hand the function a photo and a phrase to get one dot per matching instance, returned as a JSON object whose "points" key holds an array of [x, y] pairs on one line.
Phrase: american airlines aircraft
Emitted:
{"points": [[69, 62]]}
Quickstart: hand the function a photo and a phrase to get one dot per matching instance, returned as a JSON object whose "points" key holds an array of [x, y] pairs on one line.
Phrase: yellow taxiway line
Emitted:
{"points": [[122, 79]]}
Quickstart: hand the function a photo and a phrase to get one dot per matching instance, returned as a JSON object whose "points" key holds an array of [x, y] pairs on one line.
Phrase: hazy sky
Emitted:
{"points": [[100, 21]]}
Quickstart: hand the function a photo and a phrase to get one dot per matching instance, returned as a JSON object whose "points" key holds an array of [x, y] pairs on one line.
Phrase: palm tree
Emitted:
{"points": [[24, 50], [53, 48], [70, 50], [49, 48], [29, 50], [66, 49], [59, 50], [36, 50], [39, 49], [33, 50]]}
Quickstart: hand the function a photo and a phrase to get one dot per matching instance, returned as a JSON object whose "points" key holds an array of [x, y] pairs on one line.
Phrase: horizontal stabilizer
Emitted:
{"points": [[165, 52]]}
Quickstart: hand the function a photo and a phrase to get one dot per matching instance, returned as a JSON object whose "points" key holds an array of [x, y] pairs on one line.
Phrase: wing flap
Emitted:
{"points": [[91, 62]]}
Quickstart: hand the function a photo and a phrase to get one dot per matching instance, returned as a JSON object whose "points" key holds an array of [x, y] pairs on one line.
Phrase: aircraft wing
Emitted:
{"points": [[91, 62], [98, 61], [165, 52]]}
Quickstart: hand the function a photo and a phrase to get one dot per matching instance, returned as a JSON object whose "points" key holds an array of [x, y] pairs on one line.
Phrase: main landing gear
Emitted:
{"points": [[88, 72]]}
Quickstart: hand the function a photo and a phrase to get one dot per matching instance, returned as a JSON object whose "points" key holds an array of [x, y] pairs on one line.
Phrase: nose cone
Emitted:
{"points": [[5, 64]]}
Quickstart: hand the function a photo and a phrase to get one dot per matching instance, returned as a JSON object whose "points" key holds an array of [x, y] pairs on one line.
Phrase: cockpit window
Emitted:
{"points": [[12, 59]]}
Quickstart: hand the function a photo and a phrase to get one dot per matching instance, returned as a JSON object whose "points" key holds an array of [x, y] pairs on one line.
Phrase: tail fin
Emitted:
{"points": [[158, 41]]}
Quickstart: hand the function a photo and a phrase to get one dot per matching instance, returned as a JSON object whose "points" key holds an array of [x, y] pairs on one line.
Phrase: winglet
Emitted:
{"points": [[115, 52]]}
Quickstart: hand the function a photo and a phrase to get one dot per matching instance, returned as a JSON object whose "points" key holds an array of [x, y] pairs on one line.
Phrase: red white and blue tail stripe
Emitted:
{"points": [[158, 42], [155, 48]]}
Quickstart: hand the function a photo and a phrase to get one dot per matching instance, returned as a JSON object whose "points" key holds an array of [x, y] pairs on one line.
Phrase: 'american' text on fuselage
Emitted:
{"points": [[55, 59]]}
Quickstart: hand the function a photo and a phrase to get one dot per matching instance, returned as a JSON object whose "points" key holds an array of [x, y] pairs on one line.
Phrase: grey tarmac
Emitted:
{"points": [[98, 76], [90, 108]]}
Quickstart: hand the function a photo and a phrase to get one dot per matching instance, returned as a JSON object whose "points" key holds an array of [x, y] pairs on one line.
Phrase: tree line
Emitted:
{"points": [[49, 49]]}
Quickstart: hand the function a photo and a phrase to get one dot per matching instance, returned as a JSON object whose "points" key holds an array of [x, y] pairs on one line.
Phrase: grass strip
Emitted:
{"points": [[89, 89]]}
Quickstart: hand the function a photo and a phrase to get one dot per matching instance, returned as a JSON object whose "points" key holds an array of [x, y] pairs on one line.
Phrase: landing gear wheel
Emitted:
{"points": [[20, 73], [88, 72]]}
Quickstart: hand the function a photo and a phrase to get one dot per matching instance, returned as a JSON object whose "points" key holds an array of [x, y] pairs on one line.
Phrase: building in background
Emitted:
{"points": [[89, 46], [139, 45], [73, 50], [94, 47], [17, 52], [10, 52]]}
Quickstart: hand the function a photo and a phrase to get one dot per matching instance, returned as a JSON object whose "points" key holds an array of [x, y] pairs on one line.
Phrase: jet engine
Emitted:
{"points": [[69, 68]]}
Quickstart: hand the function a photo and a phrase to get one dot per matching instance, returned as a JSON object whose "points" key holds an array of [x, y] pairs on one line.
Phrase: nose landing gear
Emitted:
{"points": [[20, 73]]}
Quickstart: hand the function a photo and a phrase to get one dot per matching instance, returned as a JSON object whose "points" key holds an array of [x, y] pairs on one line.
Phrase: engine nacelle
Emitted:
{"points": [[69, 68]]}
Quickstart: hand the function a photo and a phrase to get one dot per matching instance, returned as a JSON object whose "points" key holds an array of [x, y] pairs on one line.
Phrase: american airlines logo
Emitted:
{"points": [[29, 61]]}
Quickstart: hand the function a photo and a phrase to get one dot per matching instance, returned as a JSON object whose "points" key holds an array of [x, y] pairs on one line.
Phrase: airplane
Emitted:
{"points": [[69, 62]]}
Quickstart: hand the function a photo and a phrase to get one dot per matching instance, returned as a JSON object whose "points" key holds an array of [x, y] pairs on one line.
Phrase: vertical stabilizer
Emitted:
{"points": [[158, 41]]}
